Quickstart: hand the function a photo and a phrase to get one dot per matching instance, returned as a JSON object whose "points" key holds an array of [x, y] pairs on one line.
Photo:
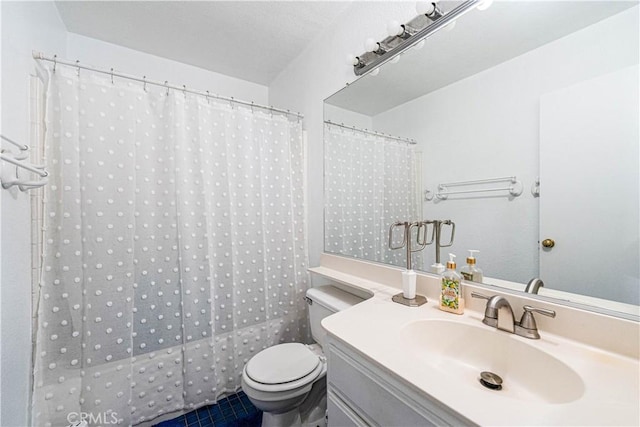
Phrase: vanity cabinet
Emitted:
{"points": [[360, 393]]}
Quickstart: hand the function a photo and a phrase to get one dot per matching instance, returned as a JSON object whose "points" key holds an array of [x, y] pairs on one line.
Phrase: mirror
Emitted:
{"points": [[528, 111]]}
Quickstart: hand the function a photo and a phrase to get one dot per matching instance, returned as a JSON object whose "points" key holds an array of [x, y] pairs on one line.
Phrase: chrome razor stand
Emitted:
{"points": [[421, 243], [437, 231]]}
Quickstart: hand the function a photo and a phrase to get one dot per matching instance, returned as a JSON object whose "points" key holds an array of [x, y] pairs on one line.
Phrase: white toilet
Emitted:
{"points": [[288, 381]]}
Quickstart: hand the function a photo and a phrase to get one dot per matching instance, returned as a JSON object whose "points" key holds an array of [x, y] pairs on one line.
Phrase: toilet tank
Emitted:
{"points": [[324, 301]]}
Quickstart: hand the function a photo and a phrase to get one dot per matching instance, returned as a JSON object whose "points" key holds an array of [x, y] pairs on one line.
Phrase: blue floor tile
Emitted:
{"points": [[235, 410], [176, 422]]}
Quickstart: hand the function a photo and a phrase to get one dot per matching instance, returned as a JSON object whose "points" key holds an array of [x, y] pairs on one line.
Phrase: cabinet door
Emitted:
{"points": [[341, 415], [377, 398]]}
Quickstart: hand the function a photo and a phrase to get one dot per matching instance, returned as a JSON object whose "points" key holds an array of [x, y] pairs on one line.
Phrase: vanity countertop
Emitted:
{"points": [[609, 383]]}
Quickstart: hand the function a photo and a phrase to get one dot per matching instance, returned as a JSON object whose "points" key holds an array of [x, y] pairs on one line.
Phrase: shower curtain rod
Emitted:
{"points": [[41, 57], [372, 132]]}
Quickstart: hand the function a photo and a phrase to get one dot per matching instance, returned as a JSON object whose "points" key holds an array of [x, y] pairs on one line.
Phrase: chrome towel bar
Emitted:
{"points": [[19, 161], [514, 188]]}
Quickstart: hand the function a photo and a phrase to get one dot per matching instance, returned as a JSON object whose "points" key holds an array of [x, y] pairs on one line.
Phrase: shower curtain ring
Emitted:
{"points": [[231, 102], [184, 91], [55, 62], [252, 107], [144, 86], [78, 65], [166, 83], [112, 76], [207, 97]]}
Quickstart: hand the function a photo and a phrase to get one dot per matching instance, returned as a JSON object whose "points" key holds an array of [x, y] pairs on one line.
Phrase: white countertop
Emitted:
{"points": [[611, 381]]}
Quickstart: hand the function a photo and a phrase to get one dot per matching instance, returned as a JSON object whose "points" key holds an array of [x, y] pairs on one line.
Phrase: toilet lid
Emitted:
{"points": [[282, 363]]}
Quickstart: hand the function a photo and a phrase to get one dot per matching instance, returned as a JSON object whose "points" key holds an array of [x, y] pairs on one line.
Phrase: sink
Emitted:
{"points": [[462, 351]]}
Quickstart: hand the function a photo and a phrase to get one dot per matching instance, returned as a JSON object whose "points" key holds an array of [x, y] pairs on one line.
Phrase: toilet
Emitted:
{"points": [[288, 381]]}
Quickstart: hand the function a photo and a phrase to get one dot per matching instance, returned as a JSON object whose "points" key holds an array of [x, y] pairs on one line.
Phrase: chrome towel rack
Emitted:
{"points": [[19, 160], [420, 226], [514, 187]]}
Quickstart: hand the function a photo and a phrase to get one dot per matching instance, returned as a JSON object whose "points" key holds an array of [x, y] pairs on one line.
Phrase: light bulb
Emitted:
{"points": [[484, 4], [425, 7], [352, 60], [419, 45], [394, 28], [370, 45], [375, 72]]}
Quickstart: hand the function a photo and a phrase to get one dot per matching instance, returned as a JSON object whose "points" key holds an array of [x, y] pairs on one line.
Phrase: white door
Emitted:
{"points": [[589, 185]]}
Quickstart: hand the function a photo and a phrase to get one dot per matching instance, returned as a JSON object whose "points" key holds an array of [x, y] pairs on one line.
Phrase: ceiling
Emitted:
{"points": [[479, 41], [250, 40]]}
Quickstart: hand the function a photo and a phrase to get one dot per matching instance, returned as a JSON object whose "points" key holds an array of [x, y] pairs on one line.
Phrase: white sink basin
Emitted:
{"points": [[462, 351]]}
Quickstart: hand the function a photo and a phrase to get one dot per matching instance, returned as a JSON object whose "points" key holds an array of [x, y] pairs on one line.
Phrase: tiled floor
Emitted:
{"points": [[233, 411]]}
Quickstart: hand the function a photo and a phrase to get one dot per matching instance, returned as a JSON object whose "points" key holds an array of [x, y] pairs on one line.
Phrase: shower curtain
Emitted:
{"points": [[174, 248], [371, 181]]}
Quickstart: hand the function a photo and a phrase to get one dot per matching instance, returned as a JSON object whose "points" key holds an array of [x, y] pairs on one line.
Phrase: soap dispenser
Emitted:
{"points": [[470, 271], [451, 298]]}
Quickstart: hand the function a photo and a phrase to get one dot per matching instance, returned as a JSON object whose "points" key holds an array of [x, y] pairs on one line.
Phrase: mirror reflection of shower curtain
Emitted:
{"points": [[371, 181], [174, 248]]}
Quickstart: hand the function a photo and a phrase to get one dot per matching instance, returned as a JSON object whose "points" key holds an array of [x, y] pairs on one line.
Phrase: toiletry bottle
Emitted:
{"points": [[470, 271], [451, 298]]}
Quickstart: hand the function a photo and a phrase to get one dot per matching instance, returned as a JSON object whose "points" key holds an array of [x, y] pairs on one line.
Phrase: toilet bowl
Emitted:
{"points": [[288, 381], [279, 379]]}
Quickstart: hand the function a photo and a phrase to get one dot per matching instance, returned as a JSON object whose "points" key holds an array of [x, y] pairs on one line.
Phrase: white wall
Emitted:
{"points": [[106, 56], [487, 126], [320, 71], [25, 26]]}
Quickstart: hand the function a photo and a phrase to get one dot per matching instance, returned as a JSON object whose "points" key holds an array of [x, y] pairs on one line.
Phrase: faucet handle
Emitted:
{"points": [[481, 296], [528, 322], [529, 309]]}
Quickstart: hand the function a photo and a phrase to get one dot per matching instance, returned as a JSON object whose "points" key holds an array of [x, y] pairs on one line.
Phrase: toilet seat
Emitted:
{"points": [[283, 367]]}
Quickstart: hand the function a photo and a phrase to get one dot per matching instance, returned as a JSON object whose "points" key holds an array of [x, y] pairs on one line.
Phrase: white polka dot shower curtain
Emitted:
{"points": [[174, 248], [371, 181]]}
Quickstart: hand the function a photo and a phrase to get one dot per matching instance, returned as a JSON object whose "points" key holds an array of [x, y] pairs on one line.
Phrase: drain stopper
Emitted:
{"points": [[490, 380]]}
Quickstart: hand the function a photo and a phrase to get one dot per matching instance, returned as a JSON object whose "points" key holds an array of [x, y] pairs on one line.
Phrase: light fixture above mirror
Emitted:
{"points": [[401, 37]]}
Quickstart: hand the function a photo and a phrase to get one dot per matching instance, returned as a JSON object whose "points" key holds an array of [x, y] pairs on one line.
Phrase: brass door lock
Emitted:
{"points": [[548, 243]]}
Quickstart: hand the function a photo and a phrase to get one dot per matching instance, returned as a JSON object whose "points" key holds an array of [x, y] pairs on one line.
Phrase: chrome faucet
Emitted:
{"points": [[495, 305], [533, 286], [498, 304]]}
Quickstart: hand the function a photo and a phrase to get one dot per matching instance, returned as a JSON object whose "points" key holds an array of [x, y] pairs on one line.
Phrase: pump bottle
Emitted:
{"points": [[470, 271], [451, 297]]}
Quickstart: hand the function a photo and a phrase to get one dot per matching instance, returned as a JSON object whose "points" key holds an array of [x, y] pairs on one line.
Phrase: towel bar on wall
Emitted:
{"points": [[514, 189], [19, 160]]}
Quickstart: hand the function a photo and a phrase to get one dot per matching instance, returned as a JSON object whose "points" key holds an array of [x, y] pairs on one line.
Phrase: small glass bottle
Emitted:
{"points": [[451, 297], [470, 271]]}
